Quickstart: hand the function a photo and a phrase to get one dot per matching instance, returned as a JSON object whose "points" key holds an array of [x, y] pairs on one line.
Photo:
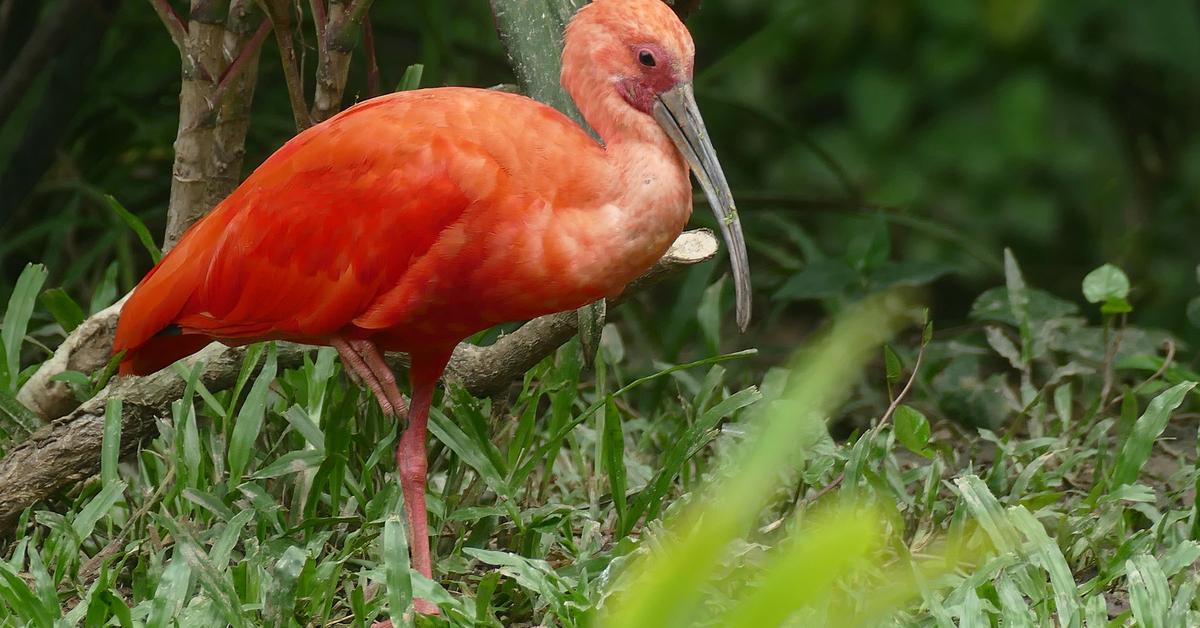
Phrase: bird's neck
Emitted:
{"points": [[651, 198]]}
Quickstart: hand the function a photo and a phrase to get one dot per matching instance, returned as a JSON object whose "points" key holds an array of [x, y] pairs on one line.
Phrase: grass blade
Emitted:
{"points": [[136, 224], [396, 569], [281, 588], [85, 522], [110, 448], [1149, 594], [16, 321], [614, 458], [250, 419], [1047, 553], [1136, 450], [172, 591], [17, 594], [411, 78], [15, 419], [63, 308], [663, 588], [804, 572]]}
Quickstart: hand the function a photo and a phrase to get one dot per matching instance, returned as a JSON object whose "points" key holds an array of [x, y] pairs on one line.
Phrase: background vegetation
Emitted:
{"points": [[993, 152]]}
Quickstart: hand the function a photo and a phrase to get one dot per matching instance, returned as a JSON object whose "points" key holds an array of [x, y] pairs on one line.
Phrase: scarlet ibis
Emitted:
{"points": [[413, 220]]}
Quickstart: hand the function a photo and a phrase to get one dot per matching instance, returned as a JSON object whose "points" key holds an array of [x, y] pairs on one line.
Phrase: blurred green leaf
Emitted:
{"points": [[821, 279], [912, 430], [138, 227], [412, 78], [1106, 283], [63, 308]]}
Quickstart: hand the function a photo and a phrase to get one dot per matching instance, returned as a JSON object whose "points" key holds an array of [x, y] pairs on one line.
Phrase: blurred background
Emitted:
{"points": [[869, 143]]}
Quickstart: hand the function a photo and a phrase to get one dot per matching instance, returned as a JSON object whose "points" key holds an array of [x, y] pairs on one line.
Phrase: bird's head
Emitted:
{"points": [[628, 65]]}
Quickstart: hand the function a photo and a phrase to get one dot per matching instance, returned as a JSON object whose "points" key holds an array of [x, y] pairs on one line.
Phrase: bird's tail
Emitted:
{"points": [[145, 330]]}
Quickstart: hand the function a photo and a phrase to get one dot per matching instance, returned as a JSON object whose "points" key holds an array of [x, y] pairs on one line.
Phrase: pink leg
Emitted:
{"points": [[412, 464]]}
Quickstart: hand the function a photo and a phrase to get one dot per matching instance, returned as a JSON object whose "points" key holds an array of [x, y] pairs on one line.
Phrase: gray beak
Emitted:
{"points": [[676, 111]]}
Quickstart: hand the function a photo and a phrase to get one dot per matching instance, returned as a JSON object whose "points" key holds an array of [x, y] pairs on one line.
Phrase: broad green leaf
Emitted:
{"points": [[912, 430], [17, 594], [821, 279], [89, 515], [1048, 555], [988, 512], [217, 584], [1105, 283], [908, 273]]}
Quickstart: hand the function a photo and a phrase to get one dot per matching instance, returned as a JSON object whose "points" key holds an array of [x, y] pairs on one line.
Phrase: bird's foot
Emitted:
{"points": [[424, 607]]}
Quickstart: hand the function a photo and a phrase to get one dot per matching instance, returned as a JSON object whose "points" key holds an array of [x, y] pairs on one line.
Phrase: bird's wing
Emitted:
{"points": [[335, 219]]}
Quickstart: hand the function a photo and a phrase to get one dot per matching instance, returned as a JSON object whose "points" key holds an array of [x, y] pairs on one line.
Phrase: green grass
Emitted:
{"points": [[675, 496]]}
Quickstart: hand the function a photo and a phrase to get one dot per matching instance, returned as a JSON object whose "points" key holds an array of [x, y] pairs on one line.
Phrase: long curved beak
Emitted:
{"points": [[676, 111]]}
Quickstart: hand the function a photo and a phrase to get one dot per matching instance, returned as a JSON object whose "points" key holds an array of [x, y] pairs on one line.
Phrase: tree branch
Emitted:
{"points": [[373, 89], [279, 12], [192, 191], [68, 449], [174, 24], [333, 55], [208, 162]]}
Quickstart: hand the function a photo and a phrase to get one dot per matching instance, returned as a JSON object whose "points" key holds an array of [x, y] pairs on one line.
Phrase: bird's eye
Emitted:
{"points": [[646, 58]]}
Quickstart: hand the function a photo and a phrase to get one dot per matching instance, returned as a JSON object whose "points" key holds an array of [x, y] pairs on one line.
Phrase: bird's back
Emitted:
{"points": [[350, 226]]}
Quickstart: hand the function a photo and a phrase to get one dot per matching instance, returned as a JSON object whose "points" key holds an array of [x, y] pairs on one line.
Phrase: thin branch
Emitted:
{"points": [[344, 34], [320, 17], [279, 12], [373, 89], [238, 65], [345, 22], [176, 27]]}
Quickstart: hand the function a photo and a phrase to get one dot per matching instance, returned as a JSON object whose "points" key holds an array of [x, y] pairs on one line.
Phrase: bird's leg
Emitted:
{"points": [[411, 462], [356, 364]]}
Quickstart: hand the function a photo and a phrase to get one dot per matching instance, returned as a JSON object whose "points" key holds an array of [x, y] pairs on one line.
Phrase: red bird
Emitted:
{"points": [[413, 220]]}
